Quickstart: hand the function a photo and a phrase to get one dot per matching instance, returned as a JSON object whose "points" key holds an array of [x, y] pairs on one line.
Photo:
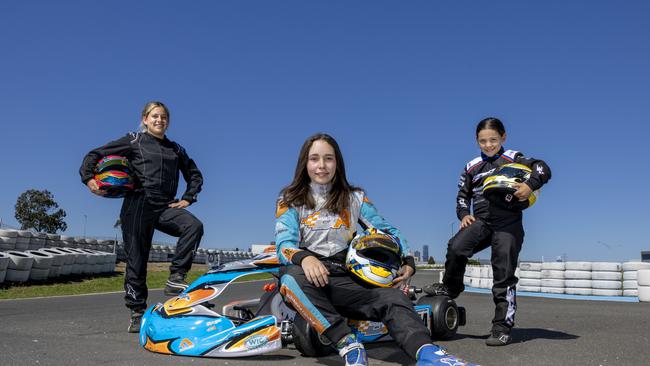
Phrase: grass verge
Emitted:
{"points": [[157, 274]]}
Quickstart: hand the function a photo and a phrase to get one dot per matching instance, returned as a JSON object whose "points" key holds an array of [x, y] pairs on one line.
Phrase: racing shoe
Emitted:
{"points": [[498, 337], [438, 289], [175, 284], [136, 318], [352, 351], [432, 355]]}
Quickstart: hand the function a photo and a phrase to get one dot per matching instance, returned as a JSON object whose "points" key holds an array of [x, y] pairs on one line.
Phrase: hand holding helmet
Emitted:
{"points": [[506, 187], [375, 258], [113, 177]]}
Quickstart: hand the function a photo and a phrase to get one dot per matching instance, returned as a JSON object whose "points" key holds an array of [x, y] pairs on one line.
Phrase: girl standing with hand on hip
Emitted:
{"points": [[155, 162], [316, 219]]}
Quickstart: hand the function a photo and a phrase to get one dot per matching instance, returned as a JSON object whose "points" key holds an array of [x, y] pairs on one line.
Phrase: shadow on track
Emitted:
{"points": [[520, 335]]}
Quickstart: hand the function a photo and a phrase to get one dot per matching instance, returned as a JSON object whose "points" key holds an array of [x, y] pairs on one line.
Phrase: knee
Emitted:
{"points": [[393, 297], [195, 226]]}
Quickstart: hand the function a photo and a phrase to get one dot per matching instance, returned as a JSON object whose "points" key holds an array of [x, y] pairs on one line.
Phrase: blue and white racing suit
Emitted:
{"points": [[302, 232]]}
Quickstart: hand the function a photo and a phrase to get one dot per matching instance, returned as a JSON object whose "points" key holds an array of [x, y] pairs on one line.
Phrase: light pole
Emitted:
{"points": [[452, 228]]}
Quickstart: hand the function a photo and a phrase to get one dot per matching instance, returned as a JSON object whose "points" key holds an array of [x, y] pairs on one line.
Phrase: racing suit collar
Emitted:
{"points": [[320, 190], [494, 157]]}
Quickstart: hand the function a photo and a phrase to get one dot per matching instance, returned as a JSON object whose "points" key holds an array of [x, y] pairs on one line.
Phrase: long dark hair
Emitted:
{"points": [[491, 123], [297, 194]]}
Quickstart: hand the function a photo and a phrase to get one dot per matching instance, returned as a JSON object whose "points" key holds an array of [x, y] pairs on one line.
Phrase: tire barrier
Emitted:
{"points": [[19, 266], [573, 278], [4, 263]]}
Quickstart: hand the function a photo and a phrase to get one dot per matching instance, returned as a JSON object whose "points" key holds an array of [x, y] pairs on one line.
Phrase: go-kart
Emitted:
{"points": [[189, 325]]}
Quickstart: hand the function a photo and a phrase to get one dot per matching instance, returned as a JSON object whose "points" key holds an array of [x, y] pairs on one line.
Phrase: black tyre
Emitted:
{"points": [[445, 316], [306, 339]]}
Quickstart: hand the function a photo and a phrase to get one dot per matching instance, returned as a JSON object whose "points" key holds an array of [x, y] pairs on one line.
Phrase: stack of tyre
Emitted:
{"points": [[472, 276], [530, 277], [606, 279], [8, 239], [631, 272], [643, 284], [577, 278], [552, 278]]}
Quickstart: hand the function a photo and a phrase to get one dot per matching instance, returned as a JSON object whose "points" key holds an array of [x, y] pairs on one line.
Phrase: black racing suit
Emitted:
{"points": [[155, 165], [497, 227]]}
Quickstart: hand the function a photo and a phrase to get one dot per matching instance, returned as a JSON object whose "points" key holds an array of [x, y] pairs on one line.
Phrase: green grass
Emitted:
{"points": [[74, 285]]}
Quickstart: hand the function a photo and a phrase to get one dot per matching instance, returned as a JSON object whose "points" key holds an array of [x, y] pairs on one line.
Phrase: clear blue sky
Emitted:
{"points": [[401, 85]]}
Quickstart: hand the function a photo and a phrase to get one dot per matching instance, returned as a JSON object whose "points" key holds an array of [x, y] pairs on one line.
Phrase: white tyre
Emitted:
{"points": [[553, 274], [8, 233], [41, 260], [577, 266], [17, 275], [552, 290], [4, 261], [643, 277], [552, 282], [644, 293], [606, 266], [7, 240], [466, 280], [485, 272], [578, 283], [24, 234], [578, 291], [3, 274], [557, 266], [20, 260], [635, 266], [633, 293], [630, 285], [529, 288], [475, 282], [484, 283], [577, 275], [630, 275], [530, 282], [606, 292], [607, 276], [613, 285], [59, 258], [530, 274], [39, 274], [473, 271], [530, 266]]}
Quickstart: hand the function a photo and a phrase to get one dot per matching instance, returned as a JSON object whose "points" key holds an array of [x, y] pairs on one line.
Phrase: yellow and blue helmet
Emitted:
{"points": [[374, 258], [499, 188]]}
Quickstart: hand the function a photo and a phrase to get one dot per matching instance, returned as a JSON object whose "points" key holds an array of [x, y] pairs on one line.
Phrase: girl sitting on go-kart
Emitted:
{"points": [[316, 219]]}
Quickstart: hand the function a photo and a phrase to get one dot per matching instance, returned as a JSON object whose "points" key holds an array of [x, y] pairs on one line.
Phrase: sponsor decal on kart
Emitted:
{"points": [[256, 341]]}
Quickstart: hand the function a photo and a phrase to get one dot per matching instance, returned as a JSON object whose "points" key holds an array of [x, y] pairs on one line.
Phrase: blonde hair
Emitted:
{"points": [[148, 108]]}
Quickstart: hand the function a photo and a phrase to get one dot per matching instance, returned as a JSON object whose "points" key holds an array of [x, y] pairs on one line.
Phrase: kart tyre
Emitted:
{"points": [[635, 266], [577, 266], [445, 316], [607, 276], [606, 266], [306, 339], [577, 275]]}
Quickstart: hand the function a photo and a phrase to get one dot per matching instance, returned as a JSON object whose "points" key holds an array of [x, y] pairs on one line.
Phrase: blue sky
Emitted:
{"points": [[401, 85]]}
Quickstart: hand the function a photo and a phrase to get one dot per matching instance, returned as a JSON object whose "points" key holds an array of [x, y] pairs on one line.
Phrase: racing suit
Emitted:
{"points": [[302, 232], [497, 227], [155, 164]]}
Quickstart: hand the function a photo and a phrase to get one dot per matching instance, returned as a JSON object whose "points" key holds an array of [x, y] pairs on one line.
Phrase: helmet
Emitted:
{"points": [[374, 257], [113, 175], [499, 189]]}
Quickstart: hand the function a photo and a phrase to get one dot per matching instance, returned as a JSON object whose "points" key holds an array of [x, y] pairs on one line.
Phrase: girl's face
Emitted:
{"points": [[321, 162], [157, 122], [490, 141]]}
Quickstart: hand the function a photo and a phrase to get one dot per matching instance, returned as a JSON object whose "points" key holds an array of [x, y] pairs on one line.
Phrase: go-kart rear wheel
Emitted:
{"points": [[445, 316], [306, 339]]}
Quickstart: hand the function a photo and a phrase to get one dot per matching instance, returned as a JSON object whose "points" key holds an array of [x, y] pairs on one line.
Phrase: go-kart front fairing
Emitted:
{"points": [[186, 324]]}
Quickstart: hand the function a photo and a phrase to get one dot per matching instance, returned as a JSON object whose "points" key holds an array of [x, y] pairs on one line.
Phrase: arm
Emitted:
{"points": [[191, 174], [370, 214], [541, 173], [464, 196]]}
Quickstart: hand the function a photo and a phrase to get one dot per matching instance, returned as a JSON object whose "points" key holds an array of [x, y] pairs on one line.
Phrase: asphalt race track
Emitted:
{"points": [[91, 330]]}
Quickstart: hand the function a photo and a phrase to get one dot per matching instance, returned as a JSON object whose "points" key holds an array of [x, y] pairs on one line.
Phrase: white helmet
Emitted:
{"points": [[375, 258]]}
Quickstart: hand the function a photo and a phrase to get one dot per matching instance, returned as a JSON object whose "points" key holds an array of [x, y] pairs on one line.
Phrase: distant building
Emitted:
{"points": [[645, 256], [425, 253], [417, 256]]}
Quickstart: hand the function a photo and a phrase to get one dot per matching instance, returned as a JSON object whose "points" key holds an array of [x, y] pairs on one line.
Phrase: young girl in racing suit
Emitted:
{"points": [[155, 162], [316, 218], [490, 225]]}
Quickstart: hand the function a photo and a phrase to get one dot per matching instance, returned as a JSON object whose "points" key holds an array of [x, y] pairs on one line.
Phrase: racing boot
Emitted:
{"points": [[439, 289], [499, 337], [432, 355], [352, 351], [136, 318], [175, 284]]}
